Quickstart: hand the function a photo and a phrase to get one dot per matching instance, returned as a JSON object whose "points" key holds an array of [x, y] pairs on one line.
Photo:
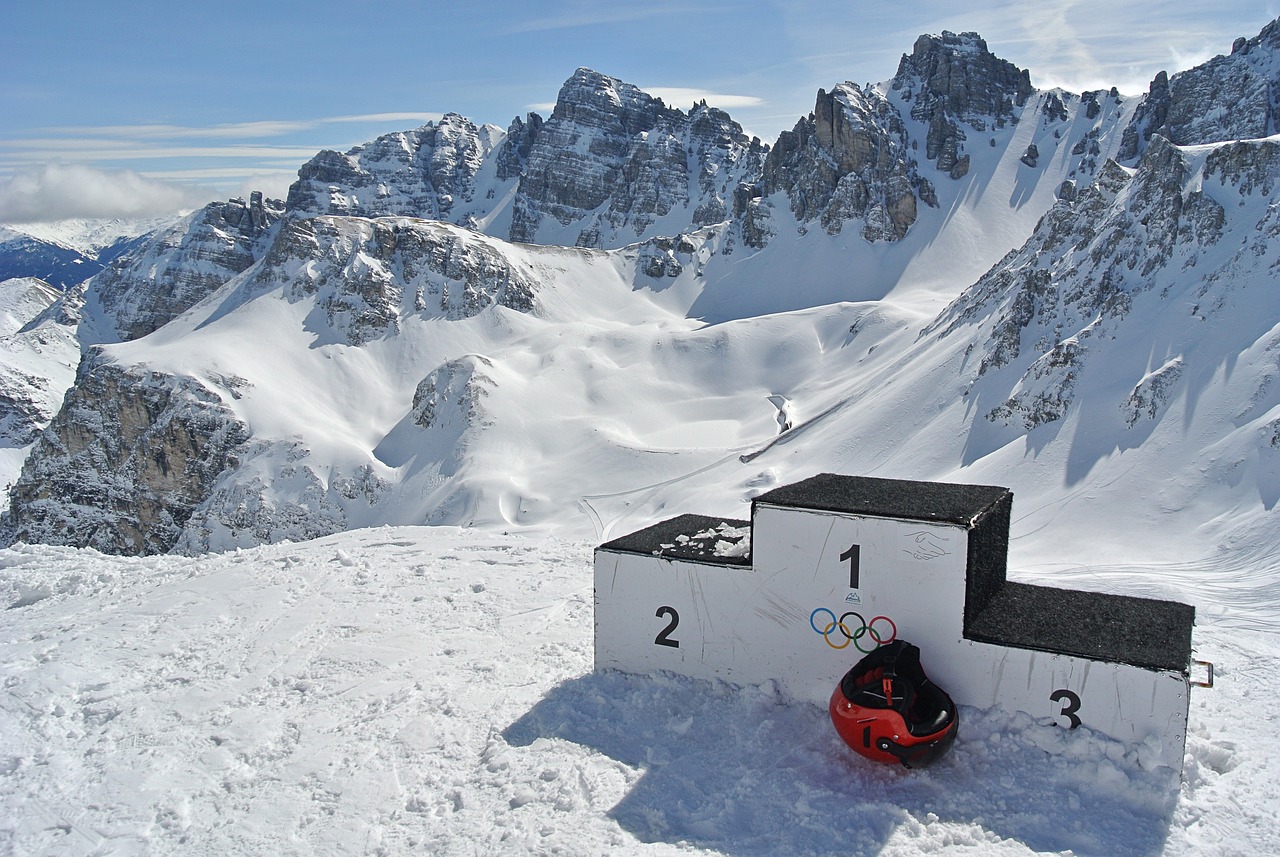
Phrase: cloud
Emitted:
{"points": [[589, 15], [61, 191], [236, 130], [680, 96]]}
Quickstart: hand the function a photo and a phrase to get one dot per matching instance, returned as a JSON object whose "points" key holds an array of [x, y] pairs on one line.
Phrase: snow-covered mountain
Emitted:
{"points": [[67, 253], [38, 357], [625, 310], [612, 165]]}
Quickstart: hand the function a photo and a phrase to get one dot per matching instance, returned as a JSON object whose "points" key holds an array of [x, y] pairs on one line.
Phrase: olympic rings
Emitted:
{"points": [[864, 629]]}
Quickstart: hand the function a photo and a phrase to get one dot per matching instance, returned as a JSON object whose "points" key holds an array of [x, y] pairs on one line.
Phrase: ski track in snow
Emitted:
{"points": [[431, 690]]}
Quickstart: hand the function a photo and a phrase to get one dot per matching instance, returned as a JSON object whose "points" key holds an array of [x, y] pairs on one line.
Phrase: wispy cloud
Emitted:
{"points": [[63, 191], [89, 149], [591, 15], [678, 96], [56, 173], [234, 130]]}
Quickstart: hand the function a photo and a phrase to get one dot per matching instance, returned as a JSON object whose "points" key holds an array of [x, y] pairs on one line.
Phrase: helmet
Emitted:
{"points": [[886, 709]]}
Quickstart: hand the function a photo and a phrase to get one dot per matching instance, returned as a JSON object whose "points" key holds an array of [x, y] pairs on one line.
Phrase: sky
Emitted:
{"points": [[140, 108]]}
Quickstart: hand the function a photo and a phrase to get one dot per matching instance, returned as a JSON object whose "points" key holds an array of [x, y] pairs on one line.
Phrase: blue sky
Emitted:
{"points": [[135, 107]]}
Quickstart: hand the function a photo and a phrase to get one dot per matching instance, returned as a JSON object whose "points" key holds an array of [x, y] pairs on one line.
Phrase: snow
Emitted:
{"points": [[430, 690], [91, 236]]}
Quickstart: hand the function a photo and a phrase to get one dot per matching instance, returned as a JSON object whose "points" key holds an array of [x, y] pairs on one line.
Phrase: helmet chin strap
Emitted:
{"points": [[901, 753]]}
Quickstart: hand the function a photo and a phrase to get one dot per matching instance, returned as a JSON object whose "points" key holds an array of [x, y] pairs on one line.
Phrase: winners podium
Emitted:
{"points": [[830, 568]]}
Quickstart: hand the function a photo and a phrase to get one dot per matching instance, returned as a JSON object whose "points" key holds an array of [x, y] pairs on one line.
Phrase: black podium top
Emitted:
{"points": [[939, 502], [689, 537]]}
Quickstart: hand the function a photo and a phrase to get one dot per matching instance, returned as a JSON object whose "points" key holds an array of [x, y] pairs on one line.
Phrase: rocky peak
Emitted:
{"points": [[514, 151], [849, 160], [1232, 97], [428, 172], [958, 75], [176, 268], [593, 100], [613, 160], [952, 80]]}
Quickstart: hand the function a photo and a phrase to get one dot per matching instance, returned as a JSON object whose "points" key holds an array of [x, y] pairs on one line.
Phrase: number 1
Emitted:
{"points": [[852, 556]]}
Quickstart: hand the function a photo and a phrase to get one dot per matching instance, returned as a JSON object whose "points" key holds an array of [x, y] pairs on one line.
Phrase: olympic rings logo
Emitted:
{"points": [[864, 629]]}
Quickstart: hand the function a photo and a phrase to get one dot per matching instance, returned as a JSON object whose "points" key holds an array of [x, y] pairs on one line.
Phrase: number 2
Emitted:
{"points": [[664, 636]]}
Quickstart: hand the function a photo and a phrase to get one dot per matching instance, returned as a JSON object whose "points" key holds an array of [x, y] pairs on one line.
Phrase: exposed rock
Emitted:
{"points": [[1234, 97], [365, 273], [953, 80], [125, 462], [612, 160], [513, 154], [1053, 109], [850, 160], [447, 413], [1031, 156], [176, 268], [1152, 392], [293, 503], [429, 172]]}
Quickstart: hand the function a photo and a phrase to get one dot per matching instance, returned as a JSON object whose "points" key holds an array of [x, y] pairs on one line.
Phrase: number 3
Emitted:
{"points": [[664, 636], [1070, 707]]}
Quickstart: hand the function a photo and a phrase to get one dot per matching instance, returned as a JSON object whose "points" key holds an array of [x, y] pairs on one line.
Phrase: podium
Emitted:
{"points": [[829, 568]]}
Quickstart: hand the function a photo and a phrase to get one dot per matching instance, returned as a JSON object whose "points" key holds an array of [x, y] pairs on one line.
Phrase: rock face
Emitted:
{"points": [[125, 462], [613, 160], [145, 290], [952, 81], [1190, 108], [363, 274], [429, 172], [850, 160]]}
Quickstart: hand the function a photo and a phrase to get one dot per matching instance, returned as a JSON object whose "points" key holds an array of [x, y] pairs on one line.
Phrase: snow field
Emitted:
{"points": [[413, 689]]}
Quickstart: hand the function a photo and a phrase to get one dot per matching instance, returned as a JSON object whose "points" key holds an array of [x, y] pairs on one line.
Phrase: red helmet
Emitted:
{"points": [[886, 709]]}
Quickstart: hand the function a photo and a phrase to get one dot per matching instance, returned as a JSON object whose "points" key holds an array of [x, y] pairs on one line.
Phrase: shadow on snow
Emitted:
{"points": [[748, 772]]}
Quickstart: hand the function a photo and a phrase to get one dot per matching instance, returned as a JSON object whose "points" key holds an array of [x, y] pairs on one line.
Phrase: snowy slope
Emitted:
{"points": [[429, 690], [38, 356]]}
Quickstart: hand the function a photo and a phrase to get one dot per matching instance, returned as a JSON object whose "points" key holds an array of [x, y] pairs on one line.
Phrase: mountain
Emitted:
{"points": [[22, 255], [612, 166], [38, 356], [67, 253], [626, 310]]}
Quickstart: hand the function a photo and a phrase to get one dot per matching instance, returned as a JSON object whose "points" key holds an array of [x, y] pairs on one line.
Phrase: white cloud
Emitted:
{"points": [[62, 191], [683, 97]]}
